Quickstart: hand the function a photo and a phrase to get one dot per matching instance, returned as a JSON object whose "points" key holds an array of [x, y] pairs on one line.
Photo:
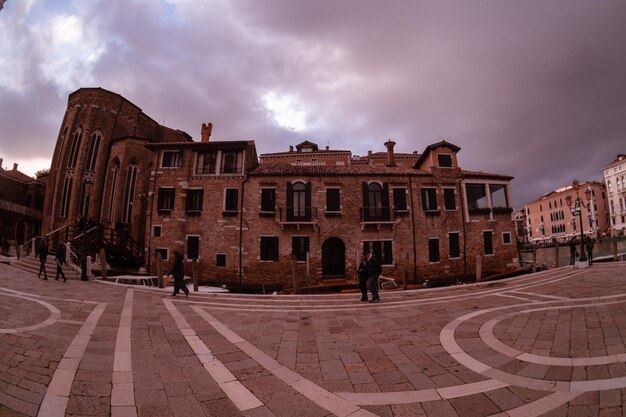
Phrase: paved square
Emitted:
{"points": [[551, 343]]}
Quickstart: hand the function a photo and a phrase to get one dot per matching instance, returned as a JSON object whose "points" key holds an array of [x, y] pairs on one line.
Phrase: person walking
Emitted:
{"points": [[373, 272], [42, 253], [361, 274], [178, 273], [589, 246], [572, 251], [60, 260]]}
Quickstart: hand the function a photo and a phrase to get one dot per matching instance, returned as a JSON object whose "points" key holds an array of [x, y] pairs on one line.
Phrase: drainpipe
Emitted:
{"points": [[413, 232], [243, 187], [156, 172], [464, 232]]}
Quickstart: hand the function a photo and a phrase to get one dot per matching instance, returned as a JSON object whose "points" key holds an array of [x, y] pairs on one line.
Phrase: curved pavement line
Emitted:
{"points": [[55, 315], [448, 342], [541, 406], [320, 396], [487, 335]]}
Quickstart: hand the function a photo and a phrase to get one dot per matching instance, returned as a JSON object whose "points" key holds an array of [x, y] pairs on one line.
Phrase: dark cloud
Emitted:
{"points": [[531, 89]]}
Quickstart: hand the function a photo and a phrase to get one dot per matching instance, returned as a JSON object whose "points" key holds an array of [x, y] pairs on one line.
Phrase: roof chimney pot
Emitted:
{"points": [[205, 132], [14, 166], [390, 158]]}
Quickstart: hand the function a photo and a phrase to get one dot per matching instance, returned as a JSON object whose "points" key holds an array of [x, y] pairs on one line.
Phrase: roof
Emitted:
{"points": [[330, 151], [277, 168], [228, 144], [306, 143], [16, 175], [486, 175], [433, 146]]}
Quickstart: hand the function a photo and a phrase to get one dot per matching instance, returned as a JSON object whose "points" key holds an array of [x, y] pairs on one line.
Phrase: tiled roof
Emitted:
{"points": [[298, 153], [210, 144], [276, 168], [17, 175]]}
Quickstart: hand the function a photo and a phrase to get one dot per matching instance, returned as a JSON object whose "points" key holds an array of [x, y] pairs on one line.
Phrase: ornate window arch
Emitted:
{"points": [[114, 174], [129, 191], [76, 138], [92, 152], [65, 195]]}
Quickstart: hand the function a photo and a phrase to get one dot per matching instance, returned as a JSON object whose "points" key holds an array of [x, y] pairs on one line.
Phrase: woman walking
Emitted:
{"points": [[178, 272], [42, 253], [60, 260]]}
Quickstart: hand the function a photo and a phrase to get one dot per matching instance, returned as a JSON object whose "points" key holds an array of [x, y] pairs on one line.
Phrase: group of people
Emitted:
{"points": [[573, 250], [59, 259], [368, 272]]}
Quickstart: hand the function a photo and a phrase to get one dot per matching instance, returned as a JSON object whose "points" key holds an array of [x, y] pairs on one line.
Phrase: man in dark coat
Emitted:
{"points": [[178, 273], [373, 272], [572, 251], [361, 274], [42, 253], [60, 260]]}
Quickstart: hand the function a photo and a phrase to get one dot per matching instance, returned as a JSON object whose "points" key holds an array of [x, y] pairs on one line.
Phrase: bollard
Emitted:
{"points": [[159, 269], [294, 269], [479, 267], [556, 251], [103, 264], [614, 239], [194, 274], [534, 258], [89, 273]]}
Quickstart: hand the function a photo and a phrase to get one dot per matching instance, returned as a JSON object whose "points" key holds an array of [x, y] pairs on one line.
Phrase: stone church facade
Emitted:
{"points": [[245, 221]]}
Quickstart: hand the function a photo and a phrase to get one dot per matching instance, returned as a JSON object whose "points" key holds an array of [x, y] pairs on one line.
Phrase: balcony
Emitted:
{"points": [[377, 216], [297, 216]]}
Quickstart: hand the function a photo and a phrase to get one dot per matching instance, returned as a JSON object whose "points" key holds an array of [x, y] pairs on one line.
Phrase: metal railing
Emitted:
{"points": [[377, 214], [298, 215]]}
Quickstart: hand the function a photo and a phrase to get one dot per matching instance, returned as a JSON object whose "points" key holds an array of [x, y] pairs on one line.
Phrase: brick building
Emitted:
{"points": [[21, 203], [243, 221], [615, 180]]}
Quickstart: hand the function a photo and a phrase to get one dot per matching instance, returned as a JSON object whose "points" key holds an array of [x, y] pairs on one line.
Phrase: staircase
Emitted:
{"points": [[31, 264]]}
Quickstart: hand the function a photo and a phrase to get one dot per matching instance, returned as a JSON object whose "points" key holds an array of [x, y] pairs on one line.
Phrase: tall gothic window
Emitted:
{"points": [[92, 153], [65, 197], [129, 193], [113, 188], [71, 162]]}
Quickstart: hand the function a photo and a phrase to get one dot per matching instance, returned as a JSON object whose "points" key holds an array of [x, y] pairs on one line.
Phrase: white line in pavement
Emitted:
{"points": [[57, 395], [325, 399], [238, 394], [55, 315], [123, 391], [541, 406], [537, 295]]}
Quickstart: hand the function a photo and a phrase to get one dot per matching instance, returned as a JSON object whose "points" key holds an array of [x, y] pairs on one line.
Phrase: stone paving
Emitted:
{"points": [[551, 343]]}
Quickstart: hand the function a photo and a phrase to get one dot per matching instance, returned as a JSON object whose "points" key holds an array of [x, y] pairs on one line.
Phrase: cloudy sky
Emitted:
{"points": [[534, 89]]}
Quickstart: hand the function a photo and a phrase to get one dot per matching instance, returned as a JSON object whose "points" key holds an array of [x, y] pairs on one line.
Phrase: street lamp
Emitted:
{"points": [[578, 205], [88, 183]]}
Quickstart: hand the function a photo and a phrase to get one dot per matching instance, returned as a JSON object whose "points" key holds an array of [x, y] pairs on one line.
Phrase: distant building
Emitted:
{"points": [[615, 180], [21, 203], [549, 217], [308, 153]]}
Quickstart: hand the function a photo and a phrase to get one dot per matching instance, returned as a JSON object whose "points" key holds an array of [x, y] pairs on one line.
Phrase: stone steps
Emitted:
{"points": [[31, 264]]}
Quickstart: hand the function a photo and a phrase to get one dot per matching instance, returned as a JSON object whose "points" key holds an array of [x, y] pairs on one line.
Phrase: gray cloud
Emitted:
{"points": [[531, 89]]}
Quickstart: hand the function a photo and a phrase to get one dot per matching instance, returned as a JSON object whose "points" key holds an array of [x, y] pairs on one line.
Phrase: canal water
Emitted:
{"points": [[547, 255]]}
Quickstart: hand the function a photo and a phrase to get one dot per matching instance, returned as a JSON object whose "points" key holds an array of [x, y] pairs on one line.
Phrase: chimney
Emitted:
{"points": [[369, 153], [390, 159], [290, 148], [327, 147], [14, 166], [1, 160], [205, 133]]}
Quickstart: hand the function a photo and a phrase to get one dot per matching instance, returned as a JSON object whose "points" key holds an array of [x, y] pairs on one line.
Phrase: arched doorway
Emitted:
{"points": [[333, 258]]}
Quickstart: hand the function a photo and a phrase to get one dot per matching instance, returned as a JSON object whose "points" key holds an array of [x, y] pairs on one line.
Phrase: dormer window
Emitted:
{"points": [[444, 160], [307, 149]]}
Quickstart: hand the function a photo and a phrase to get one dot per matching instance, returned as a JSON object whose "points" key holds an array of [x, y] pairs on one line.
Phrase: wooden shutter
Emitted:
{"points": [[289, 202], [307, 201], [386, 212]]}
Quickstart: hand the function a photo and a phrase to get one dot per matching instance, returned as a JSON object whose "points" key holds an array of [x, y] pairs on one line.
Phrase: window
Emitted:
{"points": [[193, 247], [429, 199], [433, 249], [382, 250], [92, 153], [231, 201], [488, 242], [449, 202], [114, 174], [300, 247], [71, 162], [129, 193], [313, 161], [164, 252], [165, 200], [220, 259], [498, 195], [268, 200], [332, 200], [476, 196], [445, 160], [206, 163], [375, 202], [269, 248], [156, 231], [232, 162], [298, 201], [65, 198], [172, 159], [399, 200], [194, 200], [506, 237], [454, 248]]}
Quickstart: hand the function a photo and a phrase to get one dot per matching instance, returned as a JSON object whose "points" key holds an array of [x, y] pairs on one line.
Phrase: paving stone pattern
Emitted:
{"points": [[551, 343]]}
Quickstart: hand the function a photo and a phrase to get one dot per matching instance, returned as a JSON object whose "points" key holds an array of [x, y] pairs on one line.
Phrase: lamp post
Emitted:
{"points": [[578, 204], [88, 183]]}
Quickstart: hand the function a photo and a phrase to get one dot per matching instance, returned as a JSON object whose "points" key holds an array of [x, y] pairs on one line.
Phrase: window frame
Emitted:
{"points": [[228, 210], [154, 230], [268, 255], [458, 242], [265, 210], [445, 199], [190, 197], [382, 249], [439, 155], [175, 160], [217, 260], [434, 254], [160, 249], [160, 207], [300, 257], [237, 168], [426, 199], [187, 246], [400, 210], [200, 155], [326, 207], [510, 238], [490, 233]]}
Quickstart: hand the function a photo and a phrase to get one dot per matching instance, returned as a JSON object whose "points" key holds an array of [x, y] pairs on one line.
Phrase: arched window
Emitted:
{"points": [[375, 200], [129, 193], [92, 153], [71, 162], [299, 199], [113, 188], [65, 196]]}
